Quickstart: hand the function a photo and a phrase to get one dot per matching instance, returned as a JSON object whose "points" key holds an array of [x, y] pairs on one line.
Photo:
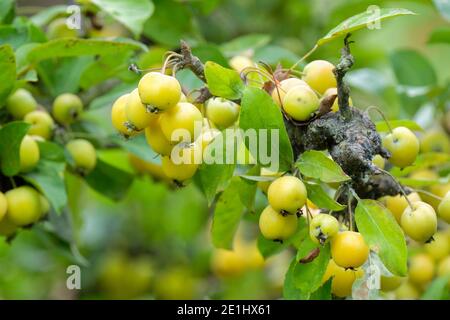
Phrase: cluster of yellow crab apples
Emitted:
{"points": [[24, 205], [159, 108]]}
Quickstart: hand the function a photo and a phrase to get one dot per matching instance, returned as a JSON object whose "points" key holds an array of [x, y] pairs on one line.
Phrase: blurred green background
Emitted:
{"points": [[155, 242]]}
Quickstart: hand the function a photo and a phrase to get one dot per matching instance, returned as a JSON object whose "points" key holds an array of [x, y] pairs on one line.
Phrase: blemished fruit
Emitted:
{"points": [[287, 193], [119, 116], [29, 154], [318, 74], [349, 250], [335, 106], [444, 208], [439, 248], [342, 282], [390, 283], [178, 172], [138, 117], [184, 117], [397, 204], [419, 222], [3, 205], [421, 269], [379, 161], [403, 146], [239, 63], [284, 87], [58, 29], [41, 124], [222, 112], [67, 107], [159, 91], [24, 206], [323, 227], [300, 103], [407, 291], [156, 138], [275, 226], [83, 154], [20, 103], [435, 141]]}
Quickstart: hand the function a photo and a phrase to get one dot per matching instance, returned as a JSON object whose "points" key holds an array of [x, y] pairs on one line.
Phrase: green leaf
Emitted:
{"points": [[131, 13], [443, 7], [244, 43], [210, 177], [223, 82], [320, 198], [11, 136], [423, 73], [247, 189], [316, 164], [227, 215], [47, 177], [274, 55], [259, 112], [383, 127], [210, 52], [437, 290], [46, 15], [109, 180], [383, 234], [323, 293], [440, 35], [290, 290], [171, 21], [51, 151], [7, 73], [7, 10], [362, 20], [71, 47], [308, 276]]}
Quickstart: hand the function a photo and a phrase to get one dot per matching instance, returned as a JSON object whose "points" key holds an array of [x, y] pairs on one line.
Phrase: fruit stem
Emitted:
{"points": [[399, 186], [13, 183], [382, 115], [303, 58], [428, 194]]}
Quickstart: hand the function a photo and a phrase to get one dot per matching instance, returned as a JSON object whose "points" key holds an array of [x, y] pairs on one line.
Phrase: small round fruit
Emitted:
{"points": [[390, 283], [264, 185], [83, 155], [156, 138], [67, 107], [222, 112], [439, 248], [24, 206], [119, 116], [300, 103], [184, 116], [159, 91], [407, 291], [287, 193], [41, 124], [403, 146], [20, 103], [378, 161], [435, 141], [319, 75], [444, 208], [284, 87], [227, 263], [323, 227], [58, 29], [276, 226], [444, 268], [349, 250], [3, 205], [397, 204], [239, 63], [421, 269], [178, 172], [29, 154], [137, 114], [419, 222], [342, 282], [335, 106]]}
